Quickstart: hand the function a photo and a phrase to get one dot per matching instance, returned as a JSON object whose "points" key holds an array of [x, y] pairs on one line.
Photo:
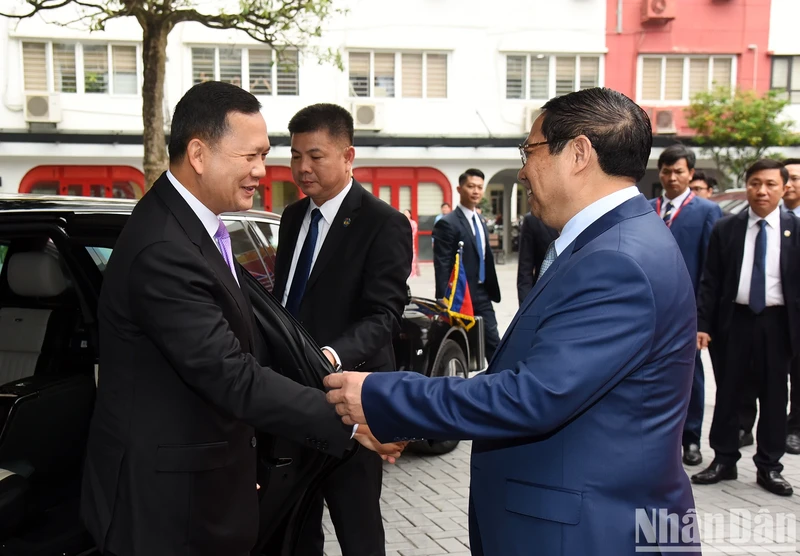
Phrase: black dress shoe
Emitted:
{"points": [[692, 455], [793, 443], [773, 482], [745, 439], [715, 473]]}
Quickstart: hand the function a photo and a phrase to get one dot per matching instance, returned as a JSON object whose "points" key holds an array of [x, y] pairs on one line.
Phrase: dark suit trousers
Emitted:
{"points": [[757, 359], [793, 422], [353, 494], [482, 307], [692, 429]]}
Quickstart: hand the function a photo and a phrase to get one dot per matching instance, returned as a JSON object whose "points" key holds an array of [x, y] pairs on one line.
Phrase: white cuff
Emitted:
{"points": [[355, 428], [335, 356]]}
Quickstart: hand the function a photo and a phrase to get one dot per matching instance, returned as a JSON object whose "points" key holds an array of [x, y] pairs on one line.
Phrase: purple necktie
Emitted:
{"points": [[224, 239]]}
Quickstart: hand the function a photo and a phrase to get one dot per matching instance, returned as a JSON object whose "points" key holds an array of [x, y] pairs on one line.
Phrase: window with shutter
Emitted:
{"points": [[515, 77], [260, 71], [34, 62], [288, 73], [384, 74], [123, 62], [651, 79], [794, 84], [359, 74], [230, 66], [540, 77], [565, 75], [590, 72], [723, 72], [95, 68], [698, 76], [64, 76], [437, 75], [412, 75], [203, 65], [673, 81], [429, 200]]}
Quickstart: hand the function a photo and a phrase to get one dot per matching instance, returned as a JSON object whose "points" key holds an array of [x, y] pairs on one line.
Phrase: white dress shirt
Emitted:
{"points": [[795, 210], [328, 211], [676, 202], [209, 220], [588, 216], [773, 270], [469, 214]]}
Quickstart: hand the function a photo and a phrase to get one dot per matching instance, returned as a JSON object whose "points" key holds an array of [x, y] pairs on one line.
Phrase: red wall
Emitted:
{"points": [[699, 27]]}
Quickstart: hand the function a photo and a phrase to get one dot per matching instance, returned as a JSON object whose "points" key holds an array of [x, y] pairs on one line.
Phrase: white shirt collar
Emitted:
{"points": [[677, 201], [588, 216], [331, 207], [209, 220], [773, 218], [467, 212]]}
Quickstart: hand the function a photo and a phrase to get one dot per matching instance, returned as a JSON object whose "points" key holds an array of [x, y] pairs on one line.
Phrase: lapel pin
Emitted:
{"points": [[787, 233], [346, 222]]}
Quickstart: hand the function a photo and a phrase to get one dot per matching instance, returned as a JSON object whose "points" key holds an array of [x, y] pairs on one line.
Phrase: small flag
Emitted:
{"points": [[459, 301]]}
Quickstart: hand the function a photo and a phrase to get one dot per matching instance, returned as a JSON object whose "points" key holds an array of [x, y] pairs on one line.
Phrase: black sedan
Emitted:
{"points": [[49, 367]]}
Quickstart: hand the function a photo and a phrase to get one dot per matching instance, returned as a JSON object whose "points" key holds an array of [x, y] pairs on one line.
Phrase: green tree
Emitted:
{"points": [[738, 128], [279, 23]]}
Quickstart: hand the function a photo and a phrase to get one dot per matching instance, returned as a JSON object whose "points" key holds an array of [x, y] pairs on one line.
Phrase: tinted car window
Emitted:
{"points": [[3, 249], [269, 241], [245, 250]]}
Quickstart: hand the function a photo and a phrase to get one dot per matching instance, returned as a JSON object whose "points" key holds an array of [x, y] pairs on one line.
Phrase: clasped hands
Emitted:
{"points": [[345, 395]]}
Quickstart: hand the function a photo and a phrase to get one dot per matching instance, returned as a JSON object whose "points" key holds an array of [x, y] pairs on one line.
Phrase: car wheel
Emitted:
{"points": [[450, 361]]}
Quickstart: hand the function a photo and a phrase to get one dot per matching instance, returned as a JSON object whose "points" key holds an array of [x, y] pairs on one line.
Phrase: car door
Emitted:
{"points": [[287, 472]]}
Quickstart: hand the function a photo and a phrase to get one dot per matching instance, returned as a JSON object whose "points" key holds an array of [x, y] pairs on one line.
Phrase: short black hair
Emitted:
{"points": [[674, 153], [445, 205], [699, 175], [620, 131], [202, 114], [334, 119], [767, 164], [474, 172], [789, 161]]}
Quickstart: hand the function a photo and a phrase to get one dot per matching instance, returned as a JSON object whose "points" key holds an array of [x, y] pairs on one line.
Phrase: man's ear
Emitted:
{"points": [[582, 152], [196, 155]]}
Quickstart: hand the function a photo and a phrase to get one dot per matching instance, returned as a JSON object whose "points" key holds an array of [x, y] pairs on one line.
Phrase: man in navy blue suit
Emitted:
{"points": [[578, 420], [690, 218]]}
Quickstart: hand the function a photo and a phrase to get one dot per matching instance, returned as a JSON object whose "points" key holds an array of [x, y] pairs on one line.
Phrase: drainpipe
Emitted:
{"points": [[619, 17], [754, 48]]}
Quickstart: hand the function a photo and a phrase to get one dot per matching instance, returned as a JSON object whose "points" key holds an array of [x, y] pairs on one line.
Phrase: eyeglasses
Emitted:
{"points": [[525, 147], [697, 188]]}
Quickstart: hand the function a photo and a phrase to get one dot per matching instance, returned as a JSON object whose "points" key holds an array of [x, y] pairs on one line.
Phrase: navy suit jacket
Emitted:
{"points": [[447, 232], [692, 230], [579, 418]]}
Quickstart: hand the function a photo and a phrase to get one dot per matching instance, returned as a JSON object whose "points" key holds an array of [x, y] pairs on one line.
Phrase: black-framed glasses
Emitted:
{"points": [[525, 147]]}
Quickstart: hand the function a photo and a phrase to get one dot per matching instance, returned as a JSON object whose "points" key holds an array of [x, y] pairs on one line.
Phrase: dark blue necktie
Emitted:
{"points": [[758, 281], [668, 212], [479, 243], [303, 268]]}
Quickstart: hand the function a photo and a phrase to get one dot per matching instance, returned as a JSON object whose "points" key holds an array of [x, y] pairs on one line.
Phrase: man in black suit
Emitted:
{"points": [[171, 459], [341, 269], [749, 312], [534, 238], [465, 224]]}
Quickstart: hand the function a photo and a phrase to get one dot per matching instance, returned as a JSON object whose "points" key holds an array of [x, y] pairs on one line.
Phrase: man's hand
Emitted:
{"points": [[703, 340], [388, 452], [345, 394]]}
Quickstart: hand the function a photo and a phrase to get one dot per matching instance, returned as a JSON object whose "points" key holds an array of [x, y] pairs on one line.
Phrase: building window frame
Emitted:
{"points": [[280, 60], [685, 99], [786, 92], [398, 75], [552, 61]]}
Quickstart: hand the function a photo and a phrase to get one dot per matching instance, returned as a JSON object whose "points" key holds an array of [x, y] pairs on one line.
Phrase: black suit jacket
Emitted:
{"points": [[534, 238], [356, 292], [720, 281], [171, 457], [448, 231]]}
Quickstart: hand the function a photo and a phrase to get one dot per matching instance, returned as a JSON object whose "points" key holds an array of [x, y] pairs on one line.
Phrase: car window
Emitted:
{"points": [[100, 256], [268, 234], [245, 250], [3, 250]]}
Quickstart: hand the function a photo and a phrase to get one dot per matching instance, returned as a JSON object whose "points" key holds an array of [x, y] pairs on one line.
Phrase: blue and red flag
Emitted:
{"points": [[459, 301]]}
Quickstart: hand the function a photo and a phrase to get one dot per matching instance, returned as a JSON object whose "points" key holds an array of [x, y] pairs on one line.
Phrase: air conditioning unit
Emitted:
{"points": [[367, 116], [531, 113], [658, 11], [42, 108], [665, 122]]}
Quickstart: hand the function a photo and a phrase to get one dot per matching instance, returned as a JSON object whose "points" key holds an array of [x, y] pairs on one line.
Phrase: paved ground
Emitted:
{"points": [[425, 498]]}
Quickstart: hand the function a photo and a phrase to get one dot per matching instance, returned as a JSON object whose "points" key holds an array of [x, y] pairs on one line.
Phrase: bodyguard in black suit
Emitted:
{"points": [[464, 224], [749, 312], [355, 251], [534, 238], [171, 456]]}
